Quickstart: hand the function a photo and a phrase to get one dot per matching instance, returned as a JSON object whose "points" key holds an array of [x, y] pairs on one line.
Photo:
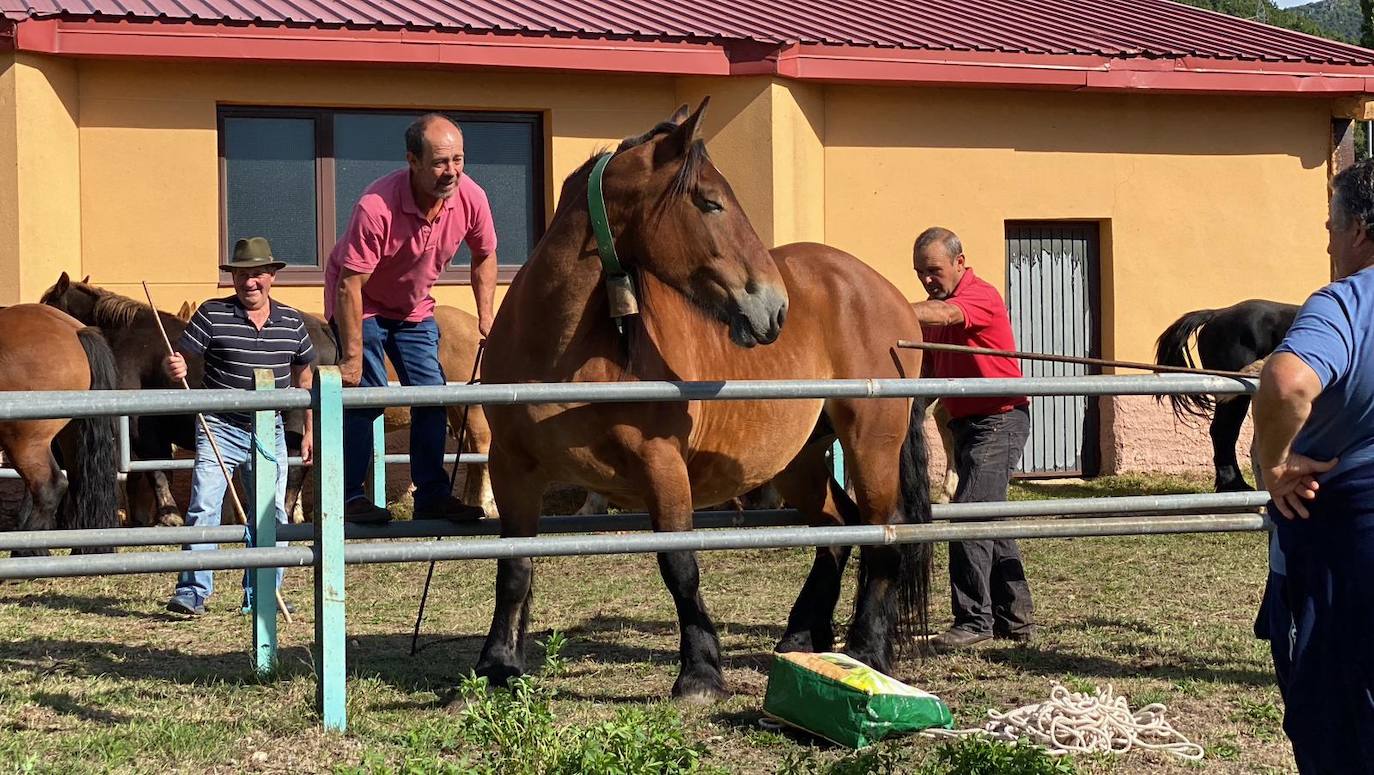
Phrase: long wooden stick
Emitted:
{"points": [[959, 348], [214, 445]]}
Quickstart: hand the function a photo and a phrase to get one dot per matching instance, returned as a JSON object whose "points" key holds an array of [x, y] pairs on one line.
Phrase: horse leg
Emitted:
{"points": [[669, 499], [168, 513], [1225, 431], [46, 485], [807, 485], [873, 454], [519, 494], [477, 478]]}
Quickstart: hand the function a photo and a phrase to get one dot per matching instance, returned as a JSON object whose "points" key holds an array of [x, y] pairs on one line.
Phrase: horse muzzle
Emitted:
{"points": [[759, 315]]}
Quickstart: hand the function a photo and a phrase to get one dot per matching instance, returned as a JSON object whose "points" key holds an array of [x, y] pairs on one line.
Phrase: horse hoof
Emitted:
{"points": [[797, 641], [498, 676], [171, 519], [876, 660], [701, 690], [454, 703], [1240, 486]]}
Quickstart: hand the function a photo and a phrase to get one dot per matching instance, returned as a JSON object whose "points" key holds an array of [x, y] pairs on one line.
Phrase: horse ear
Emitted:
{"points": [[63, 283], [680, 115], [86, 280], [675, 145], [184, 314]]}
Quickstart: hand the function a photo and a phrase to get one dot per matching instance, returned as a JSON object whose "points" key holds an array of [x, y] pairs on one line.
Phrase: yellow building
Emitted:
{"points": [[1109, 170]]}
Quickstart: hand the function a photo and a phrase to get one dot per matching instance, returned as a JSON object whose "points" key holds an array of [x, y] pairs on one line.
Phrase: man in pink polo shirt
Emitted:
{"points": [[404, 231], [988, 589]]}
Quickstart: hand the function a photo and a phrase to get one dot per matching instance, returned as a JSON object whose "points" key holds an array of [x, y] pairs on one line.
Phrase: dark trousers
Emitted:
{"points": [[413, 349], [1320, 616], [987, 582]]}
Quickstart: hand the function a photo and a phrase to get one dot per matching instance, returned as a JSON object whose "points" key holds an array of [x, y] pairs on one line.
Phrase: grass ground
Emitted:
{"points": [[95, 677]]}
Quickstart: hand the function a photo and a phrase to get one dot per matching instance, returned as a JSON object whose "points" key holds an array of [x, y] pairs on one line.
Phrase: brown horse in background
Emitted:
{"points": [[714, 305], [44, 349]]}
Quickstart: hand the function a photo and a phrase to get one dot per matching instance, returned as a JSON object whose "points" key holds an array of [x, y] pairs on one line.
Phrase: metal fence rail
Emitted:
{"points": [[329, 553], [1137, 505], [41, 405], [563, 546]]}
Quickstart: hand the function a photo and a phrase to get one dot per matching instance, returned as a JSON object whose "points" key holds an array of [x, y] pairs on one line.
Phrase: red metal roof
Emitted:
{"points": [[1114, 29]]}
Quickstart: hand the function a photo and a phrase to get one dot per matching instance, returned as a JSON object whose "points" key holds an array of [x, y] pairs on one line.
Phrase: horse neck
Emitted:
{"points": [[568, 333]]}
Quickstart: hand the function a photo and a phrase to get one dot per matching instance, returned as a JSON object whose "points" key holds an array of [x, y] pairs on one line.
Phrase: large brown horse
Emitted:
{"points": [[44, 349], [715, 305]]}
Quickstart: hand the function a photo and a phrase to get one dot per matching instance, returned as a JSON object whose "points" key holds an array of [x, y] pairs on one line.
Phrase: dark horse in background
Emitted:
{"points": [[133, 335], [44, 349], [1228, 339], [715, 304]]}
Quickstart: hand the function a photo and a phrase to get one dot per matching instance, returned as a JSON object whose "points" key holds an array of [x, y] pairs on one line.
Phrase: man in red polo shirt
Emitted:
{"points": [[988, 589], [404, 231]]}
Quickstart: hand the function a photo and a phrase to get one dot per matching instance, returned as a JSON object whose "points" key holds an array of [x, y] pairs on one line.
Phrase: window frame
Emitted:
{"points": [[326, 206]]}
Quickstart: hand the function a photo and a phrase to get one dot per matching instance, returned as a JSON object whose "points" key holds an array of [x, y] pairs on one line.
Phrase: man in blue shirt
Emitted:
{"points": [[1314, 417]]}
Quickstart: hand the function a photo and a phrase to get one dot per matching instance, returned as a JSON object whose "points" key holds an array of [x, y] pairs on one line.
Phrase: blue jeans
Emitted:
{"points": [[207, 495], [413, 349]]}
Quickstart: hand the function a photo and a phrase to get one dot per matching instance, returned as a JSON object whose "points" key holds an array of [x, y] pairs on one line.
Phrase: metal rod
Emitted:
{"points": [[169, 464], [1135, 505], [1029, 356], [39, 405], [558, 546]]}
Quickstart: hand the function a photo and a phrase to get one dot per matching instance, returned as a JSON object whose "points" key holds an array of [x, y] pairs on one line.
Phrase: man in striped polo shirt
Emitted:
{"points": [[236, 335]]}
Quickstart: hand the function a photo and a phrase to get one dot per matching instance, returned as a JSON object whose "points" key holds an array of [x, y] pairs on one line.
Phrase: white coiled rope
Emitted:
{"points": [[1074, 722]]}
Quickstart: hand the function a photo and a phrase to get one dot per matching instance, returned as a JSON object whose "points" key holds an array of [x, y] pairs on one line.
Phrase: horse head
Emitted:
{"points": [[674, 216], [74, 298]]}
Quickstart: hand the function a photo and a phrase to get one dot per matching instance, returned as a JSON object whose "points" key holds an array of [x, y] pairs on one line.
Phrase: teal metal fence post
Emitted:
{"points": [[330, 641], [376, 476], [262, 510]]}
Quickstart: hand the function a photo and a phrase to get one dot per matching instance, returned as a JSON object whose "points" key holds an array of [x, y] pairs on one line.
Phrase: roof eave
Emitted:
{"points": [[570, 53]]}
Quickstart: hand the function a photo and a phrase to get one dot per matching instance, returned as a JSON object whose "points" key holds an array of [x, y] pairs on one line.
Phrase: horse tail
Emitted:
{"points": [[913, 586], [1171, 349], [93, 485]]}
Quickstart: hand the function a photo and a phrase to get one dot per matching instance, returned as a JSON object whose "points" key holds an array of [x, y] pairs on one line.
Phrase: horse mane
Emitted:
{"points": [[111, 309], [684, 182]]}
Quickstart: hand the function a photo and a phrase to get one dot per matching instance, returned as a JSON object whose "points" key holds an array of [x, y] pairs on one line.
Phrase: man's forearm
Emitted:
{"points": [[348, 317], [934, 312], [304, 378], [484, 285]]}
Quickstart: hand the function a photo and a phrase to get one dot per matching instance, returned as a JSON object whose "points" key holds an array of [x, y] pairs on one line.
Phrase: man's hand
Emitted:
{"points": [[174, 366], [1293, 481], [484, 325], [308, 448], [351, 371]]}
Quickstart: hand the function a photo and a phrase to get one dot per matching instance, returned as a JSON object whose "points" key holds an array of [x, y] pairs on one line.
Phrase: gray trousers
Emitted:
{"points": [[988, 588]]}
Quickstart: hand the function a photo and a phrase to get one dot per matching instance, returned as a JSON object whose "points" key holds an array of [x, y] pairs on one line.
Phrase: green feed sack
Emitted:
{"points": [[845, 701]]}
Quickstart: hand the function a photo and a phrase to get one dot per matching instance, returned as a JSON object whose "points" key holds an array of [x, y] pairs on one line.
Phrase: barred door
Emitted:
{"points": [[1052, 296]]}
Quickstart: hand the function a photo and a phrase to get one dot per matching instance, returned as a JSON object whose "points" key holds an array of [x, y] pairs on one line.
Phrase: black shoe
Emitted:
{"points": [[363, 512], [958, 638], [1021, 635], [451, 509], [185, 607]]}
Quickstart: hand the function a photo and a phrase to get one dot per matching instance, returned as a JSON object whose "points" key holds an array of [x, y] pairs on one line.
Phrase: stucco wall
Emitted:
{"points": [[110, 168]]}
